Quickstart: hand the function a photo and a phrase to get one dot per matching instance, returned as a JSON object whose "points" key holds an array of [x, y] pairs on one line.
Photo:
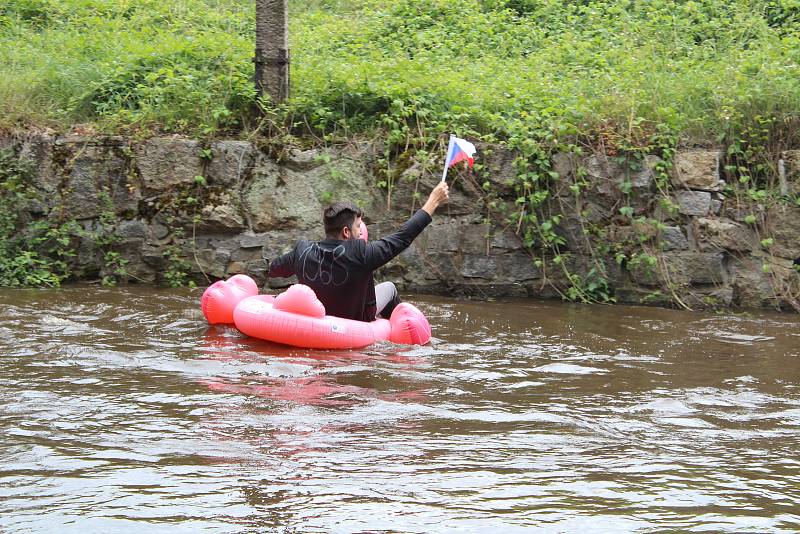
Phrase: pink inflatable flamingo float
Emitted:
{"points": [[296, 317]]}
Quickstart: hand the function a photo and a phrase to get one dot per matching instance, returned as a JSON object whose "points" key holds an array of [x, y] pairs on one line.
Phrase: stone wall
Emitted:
{"points": [[250, 206]]}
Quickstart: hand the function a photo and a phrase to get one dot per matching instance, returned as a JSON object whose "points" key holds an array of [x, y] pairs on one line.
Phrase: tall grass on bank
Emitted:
{"points": [[498, 68], [174, 66]]}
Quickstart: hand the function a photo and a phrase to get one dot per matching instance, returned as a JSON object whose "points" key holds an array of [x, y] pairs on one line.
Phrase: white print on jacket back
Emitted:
{"points": [[323, 271]]}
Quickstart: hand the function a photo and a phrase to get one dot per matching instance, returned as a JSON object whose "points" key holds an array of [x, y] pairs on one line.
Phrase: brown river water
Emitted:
{"points": [[121, 411]]}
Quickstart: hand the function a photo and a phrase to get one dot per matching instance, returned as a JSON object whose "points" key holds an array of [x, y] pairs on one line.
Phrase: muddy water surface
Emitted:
{"points": [[120, 411]]}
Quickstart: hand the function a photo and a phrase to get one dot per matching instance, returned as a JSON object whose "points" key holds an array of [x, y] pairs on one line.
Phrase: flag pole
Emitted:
{"points": [[447, 155]]}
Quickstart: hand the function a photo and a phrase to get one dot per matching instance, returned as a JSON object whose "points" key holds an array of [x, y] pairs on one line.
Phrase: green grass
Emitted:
{"points": [[495, 68]]}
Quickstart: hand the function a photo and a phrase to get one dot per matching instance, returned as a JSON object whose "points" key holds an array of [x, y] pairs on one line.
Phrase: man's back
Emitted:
{"points": [[338, 274], [340, 271]]}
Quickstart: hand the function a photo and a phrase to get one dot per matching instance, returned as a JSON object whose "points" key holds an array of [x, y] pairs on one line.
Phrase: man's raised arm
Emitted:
{"points": [[380, 252]]}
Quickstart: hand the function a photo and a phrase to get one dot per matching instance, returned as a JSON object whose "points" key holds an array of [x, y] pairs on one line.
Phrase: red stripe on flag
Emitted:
{"points": [[461, 156]]}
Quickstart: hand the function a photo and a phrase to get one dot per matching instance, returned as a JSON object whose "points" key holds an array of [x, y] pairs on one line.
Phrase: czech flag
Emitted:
{"points": [[459, 150]]}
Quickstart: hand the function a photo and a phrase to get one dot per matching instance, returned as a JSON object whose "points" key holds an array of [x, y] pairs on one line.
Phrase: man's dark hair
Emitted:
{"points": [[339, 215]]}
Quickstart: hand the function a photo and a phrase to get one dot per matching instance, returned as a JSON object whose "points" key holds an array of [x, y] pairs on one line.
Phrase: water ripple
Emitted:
{"points": [[120, 410]]}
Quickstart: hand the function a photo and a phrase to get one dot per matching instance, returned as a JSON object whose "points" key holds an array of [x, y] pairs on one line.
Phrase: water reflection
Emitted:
{"points": [[307, 376]]}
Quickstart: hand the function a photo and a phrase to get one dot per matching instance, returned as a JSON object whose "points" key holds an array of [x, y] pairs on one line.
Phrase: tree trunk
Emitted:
{"points": [[272, 49]]}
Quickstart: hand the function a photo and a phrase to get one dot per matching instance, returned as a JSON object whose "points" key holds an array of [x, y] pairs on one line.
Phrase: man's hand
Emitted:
{"points": [[440, 193]]}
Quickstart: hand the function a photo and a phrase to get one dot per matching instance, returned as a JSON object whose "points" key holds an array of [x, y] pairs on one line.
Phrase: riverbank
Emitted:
{"points": [[510, 70], [177, 211], [641, 152]]}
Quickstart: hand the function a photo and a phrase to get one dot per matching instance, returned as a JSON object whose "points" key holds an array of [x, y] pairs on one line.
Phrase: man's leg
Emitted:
{"points": [[386, 298]]}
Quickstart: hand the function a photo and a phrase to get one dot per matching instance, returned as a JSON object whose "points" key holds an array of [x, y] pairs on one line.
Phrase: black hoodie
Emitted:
{"points": [[340, 272]]}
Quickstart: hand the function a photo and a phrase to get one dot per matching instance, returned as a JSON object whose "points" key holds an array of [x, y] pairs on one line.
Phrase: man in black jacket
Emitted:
{"points": [[339, 268]]}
